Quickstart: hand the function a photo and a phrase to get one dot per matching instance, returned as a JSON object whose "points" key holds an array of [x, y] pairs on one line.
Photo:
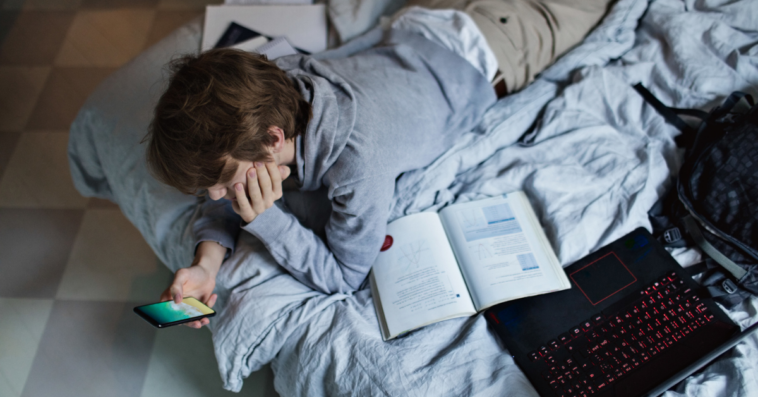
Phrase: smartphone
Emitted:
{"points": [[166, 314]]}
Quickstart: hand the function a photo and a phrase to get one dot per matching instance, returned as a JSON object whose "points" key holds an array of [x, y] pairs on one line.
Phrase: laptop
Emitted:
{"points": [[632, 324]]}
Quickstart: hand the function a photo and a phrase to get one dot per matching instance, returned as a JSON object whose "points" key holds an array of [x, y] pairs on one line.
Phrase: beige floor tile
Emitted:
{"points": [[183, 364], [37, 175], [105, 38], [110, 261], [19, 89], [8, 141], [167, 21], [41, 4], [21, 326], [110, 4], [101, 203], [7, 20], [64, 93], [186, 4], [35, 38]]}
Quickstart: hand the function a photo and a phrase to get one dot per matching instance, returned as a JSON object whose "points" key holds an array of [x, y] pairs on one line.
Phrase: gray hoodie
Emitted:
{"points": [[376, 114]]}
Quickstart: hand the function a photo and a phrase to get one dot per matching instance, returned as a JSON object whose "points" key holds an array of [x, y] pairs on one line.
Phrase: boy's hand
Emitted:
{"points": [[264, 186], [199, 279]]}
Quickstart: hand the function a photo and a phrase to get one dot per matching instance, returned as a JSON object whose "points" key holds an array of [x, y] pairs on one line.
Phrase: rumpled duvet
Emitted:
{"points": [[591, 156]]}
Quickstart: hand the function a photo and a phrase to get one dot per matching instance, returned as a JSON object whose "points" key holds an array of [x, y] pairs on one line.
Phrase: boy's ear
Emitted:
{"points": [[278, 133]]}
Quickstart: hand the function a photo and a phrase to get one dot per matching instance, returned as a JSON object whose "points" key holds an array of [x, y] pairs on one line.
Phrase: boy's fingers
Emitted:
{"points": [[284, 171], [253, 186], [177, 295], [264, 180], [276, 180], [176, 286], [242, 202], [212, 300]]}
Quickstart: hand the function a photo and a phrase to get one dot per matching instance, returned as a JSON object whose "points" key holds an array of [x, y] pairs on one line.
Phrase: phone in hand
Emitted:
{"points": [[166, 314]]}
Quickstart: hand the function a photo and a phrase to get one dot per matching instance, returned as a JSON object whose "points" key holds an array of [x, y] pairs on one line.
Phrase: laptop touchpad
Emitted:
{"points": [[603, 278]]}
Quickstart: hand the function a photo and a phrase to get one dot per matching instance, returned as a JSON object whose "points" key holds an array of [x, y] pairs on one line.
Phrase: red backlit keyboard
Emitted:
{"points": [[588, 358]]}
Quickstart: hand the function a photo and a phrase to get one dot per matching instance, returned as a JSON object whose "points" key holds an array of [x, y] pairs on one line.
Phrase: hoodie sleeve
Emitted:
{"points": [[354, 234], [217, 222]]}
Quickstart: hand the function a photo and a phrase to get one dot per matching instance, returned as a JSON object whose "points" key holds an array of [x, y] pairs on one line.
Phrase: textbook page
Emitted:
{"points": [[416, 276], [502, 250], [276, 48], [252, 44], [304, 26]]}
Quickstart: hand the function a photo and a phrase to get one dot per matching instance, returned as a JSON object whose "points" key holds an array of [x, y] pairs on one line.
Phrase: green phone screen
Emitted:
{"points": [[169, 312]]}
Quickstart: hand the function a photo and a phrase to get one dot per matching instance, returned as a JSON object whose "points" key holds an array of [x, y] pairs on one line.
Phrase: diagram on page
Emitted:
{"points": [[480, 250], [470, 218], [420, 283], [413, 256]]}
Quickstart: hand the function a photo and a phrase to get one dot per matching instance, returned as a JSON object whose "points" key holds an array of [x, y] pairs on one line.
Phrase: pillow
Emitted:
{"points": [[107, 158]]}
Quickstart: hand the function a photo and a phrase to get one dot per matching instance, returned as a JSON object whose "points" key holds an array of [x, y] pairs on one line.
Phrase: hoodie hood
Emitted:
{"points": [[334, 110]]}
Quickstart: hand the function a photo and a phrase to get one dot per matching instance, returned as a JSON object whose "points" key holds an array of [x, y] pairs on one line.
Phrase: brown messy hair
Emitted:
{"points": [[219, 106]]}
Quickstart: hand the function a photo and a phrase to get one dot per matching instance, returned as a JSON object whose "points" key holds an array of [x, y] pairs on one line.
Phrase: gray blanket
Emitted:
{"points": [[591, 156]]}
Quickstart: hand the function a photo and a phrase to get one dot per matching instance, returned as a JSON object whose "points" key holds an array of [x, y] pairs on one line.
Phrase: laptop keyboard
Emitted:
{"points": [[588, 358]]}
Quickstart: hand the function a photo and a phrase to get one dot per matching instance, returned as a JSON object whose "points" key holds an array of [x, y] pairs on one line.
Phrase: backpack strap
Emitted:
{"points": [[718, 286], [715, 284], [672, 115], [731, 102], [697, 268], [707, 135], [697, 235]]}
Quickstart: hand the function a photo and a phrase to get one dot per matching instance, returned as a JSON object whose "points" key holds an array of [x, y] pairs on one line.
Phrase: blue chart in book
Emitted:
{"points": [[486, 222], [527, 261]]}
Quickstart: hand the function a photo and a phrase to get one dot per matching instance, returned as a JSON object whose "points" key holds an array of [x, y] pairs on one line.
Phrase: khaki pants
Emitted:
{"points": [[527, 35]]}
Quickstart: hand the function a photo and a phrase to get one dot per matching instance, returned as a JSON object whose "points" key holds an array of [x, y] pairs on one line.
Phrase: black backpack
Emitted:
{"points": [[715, 204]]}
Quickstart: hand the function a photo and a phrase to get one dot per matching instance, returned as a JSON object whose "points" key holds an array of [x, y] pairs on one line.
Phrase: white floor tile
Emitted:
{"points": [[91, 349], [21, 326], [183, 364]]}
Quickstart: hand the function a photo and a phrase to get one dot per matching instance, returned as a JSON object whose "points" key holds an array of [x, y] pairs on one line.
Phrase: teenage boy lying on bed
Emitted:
{"points": [[231, 124]]}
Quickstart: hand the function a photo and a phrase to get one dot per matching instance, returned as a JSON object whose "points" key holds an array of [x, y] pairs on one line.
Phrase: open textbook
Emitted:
{"points": [[470, 256]]}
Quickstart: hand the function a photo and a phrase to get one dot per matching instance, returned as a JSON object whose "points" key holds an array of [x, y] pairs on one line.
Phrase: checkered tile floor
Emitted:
{"points": [[72, 268]]}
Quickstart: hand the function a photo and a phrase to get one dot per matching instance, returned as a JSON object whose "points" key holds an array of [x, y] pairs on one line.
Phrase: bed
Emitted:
{"points": [[590, 154]]}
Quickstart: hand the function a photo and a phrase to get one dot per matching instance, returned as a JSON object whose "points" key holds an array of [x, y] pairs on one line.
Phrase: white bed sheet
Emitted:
{"points": [[594, 164], [593, 158]]}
